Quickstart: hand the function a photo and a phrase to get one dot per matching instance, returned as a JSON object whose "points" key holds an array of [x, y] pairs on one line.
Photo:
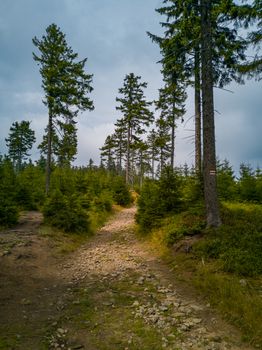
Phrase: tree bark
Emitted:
{"points": [[209, 151], [198, 147], [173, 135], [120, 155], [128, 154], [49, 152], [153, 164]]}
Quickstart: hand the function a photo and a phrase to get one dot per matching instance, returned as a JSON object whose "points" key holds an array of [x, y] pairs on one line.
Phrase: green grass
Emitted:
{"points": [[237, 244], [104, 317], [224, 264], [7, 343], [65, 243], [240, 304], [62, 243]]}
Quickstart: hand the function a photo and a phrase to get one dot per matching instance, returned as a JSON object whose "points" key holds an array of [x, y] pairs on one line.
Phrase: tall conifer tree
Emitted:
{"points": [[212, 27], [66, 87], [136, 116]]}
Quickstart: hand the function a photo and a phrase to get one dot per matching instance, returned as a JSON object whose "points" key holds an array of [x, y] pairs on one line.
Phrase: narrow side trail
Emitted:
{"points": [[121, 296]]}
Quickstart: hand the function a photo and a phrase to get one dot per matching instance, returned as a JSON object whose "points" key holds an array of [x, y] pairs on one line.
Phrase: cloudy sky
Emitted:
{"points": [[112, 34]]}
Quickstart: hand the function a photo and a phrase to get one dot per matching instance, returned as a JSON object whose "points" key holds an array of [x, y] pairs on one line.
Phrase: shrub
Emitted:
{"points": [[66, 213], [238, 242], [158, 199], [103, 202], [226, 185], [170, 190], [150, 208], [30, 194], [8, 212], [121, 194], [8, 206], [192, 191]]}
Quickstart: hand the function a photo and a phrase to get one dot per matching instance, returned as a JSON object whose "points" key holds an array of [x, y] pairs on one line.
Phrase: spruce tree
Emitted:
{"points": [[171, 104], [66, 87], [142, 160], [163, 142], [19, 143], [152, 150], [107, 153], [120, 138], [214, 41], [209, 155], [136, 116], [253, 68]]}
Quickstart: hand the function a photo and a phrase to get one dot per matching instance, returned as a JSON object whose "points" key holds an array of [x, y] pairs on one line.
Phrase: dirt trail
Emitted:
{"points": [[112, 293]]}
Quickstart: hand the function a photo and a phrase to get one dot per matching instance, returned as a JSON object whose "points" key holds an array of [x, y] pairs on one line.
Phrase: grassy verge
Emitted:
{"points": [[225, 265], [65, 243]]}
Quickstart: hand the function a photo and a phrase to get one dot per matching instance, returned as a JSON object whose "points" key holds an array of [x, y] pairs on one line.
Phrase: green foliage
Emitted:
{"points": [[66, 212], [104, 201], [150, 209], [226, 185], [247, 184], [215, 260], [8, 212], [30, 193], [136, 116], [121, 194], [192, 191], [237, 244], [159, 198], [20, 142], [8, 206], [240, 304], [170, 190], [178, 226], [66, 86], [91, 192]]}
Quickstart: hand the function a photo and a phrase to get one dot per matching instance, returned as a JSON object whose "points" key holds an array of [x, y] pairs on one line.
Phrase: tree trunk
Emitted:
{"points": [[173, 126], [198, 150], [161, 160], [209, 152], [153, 164], [128, 154], [120, 155], [141, 170], [49, 153]]}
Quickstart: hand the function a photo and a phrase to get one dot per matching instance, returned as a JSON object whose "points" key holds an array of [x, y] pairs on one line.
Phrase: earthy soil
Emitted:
{"points": [[111, 293]]}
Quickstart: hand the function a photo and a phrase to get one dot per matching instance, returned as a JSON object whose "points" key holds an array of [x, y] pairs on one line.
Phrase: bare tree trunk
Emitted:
{"points": [[120, 156], [198, 148], [173, 126], [153, 165], [161, 161], [128, 154], [49, 152], [209, 151], [141, 170]]}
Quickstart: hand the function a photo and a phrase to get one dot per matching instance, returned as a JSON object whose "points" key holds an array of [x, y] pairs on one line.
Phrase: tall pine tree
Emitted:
{"points": [[66, 87], [136, 116]]}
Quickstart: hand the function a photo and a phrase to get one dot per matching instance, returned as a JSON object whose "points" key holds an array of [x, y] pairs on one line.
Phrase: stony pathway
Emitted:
{"points": [[131, 287]]}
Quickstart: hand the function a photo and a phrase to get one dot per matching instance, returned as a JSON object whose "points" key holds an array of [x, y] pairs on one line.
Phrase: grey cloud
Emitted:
{"points": [[112, 34]]}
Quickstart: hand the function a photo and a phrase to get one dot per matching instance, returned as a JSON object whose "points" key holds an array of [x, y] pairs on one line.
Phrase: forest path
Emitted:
{"points": [[112, 293]]}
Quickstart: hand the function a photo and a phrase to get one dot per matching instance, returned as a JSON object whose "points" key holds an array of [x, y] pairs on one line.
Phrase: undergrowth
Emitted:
{"points": [[225, 264], [67, 242]]}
